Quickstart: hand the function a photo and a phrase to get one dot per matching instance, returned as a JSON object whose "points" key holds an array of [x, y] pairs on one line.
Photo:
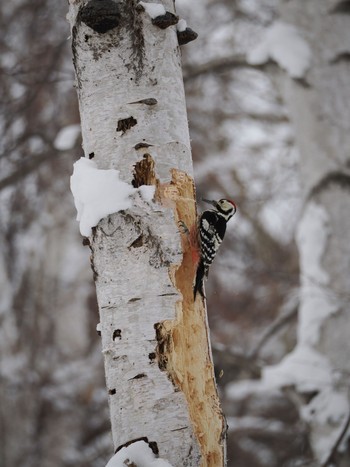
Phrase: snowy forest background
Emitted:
{"points": [[246, 144]]}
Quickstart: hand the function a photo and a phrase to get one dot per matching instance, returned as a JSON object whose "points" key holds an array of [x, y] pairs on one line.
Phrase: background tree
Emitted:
{"points": [[317, 368]]}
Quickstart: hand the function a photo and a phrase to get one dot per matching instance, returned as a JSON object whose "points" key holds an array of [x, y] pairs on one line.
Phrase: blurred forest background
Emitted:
{"points": [[53, 401]]}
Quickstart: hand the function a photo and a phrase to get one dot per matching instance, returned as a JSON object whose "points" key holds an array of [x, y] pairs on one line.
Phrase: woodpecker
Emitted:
{"points": [[211, 231]]}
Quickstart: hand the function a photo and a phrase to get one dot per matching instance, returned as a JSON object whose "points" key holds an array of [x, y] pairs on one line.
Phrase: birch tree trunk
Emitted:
{"points": [[320, 111], [155, 341]]}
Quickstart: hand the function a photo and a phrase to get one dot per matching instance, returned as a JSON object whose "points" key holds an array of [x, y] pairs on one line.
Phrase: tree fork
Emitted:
{"points": [[155, 340]]}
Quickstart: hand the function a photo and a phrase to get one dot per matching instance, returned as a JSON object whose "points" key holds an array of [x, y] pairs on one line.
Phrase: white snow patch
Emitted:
{"points": [[283, 44], [17, 90], [8, 60], [328, 406], [138, 453], [147, 192], [36, 144], [312, 236], [317, 300], [13, 366], [270, 213], [67, 137], [181, 25], [153, 9], [221, 39], [253, 136], [245, 388], [97, 193], [317, 304], [328, 410], [304, 368], [17, 128], [255, 423]]}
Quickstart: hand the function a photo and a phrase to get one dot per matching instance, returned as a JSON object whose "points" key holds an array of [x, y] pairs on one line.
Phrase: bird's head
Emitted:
{"points": [[225, 206]]}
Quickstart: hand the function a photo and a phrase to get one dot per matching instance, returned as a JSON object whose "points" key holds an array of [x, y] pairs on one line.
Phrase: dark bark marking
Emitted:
{"points": [[144, 173], [100, 15], [180, 429], [135, 299], [137, 243], [111, 392], [148, 101], [152, 444], [121, 17], [86, 241], [135, 26], [142, 145], [157, 259], [139, 376], [164, 21], [91, 155], [163, 346], [152, 356], [94, 272], [186, 36], [117, 333], [75, 55], [125, 124], [126, 222], [120, 357]]}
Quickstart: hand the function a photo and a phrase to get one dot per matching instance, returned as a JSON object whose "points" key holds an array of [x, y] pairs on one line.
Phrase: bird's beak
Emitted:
{"points": [[212, 202]]}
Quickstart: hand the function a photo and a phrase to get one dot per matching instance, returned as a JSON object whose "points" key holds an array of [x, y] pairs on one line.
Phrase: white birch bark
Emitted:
{"points": [[320, 111], [155, 340]]}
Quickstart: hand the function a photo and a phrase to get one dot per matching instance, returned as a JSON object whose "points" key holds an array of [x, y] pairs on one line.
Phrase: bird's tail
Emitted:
{"points": [[199, 282]]}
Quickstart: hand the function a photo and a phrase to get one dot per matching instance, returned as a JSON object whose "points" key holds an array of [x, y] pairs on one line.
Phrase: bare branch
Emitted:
{"points": [[290, 311], [219, 64], [258, 116]]}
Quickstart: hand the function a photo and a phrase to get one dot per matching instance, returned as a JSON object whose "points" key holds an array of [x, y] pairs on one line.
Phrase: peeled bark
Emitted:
{"points": [[155, 341]]}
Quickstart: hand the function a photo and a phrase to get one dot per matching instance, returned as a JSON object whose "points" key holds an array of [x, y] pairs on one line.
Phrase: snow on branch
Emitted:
{"points": [[304, 368], [139, 454], [67, 137], [98, 193], [153, 9], [318, 301], [181, 25], [329, 409], [158, 14], [283, 44]]}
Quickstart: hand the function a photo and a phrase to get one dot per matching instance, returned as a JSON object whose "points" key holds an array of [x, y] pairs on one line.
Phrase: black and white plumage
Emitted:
{"points": [[211, 232]]}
